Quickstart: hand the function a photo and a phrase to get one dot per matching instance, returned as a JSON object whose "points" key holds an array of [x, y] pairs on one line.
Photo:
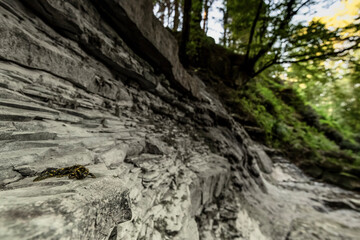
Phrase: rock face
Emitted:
{"points": [[98, 83]]}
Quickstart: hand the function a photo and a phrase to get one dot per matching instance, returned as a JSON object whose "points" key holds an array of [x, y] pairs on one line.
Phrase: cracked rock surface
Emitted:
{"points": [[99, 84]]}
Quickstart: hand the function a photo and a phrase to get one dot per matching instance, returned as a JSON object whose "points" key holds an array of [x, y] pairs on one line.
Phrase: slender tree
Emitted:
{"points": [[185, 34], [161, 11], [207, 6], [252, 31], [176, 15], [225, 19], [169, 7]]}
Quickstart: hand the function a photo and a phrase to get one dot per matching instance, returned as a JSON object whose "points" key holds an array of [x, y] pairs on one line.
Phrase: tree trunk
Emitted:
{"points": [[206, 12], [176, 15], [168, 6], [185, 34], [225, 22], [252, 31]]}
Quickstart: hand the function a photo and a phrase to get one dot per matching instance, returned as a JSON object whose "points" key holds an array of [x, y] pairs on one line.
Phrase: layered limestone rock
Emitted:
{"points": [[64, 102], [99, 84]]}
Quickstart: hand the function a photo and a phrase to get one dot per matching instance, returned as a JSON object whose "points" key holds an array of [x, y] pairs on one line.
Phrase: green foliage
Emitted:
{"points": [[333, 89], [281, 123], [265, 32], [262, 104]]}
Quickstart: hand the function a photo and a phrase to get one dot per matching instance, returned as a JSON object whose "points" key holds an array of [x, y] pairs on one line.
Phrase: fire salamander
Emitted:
{"points": [[76, 171]]}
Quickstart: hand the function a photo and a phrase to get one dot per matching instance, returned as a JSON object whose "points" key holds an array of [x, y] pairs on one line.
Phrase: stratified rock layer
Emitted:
{"points": [[98, 83]]}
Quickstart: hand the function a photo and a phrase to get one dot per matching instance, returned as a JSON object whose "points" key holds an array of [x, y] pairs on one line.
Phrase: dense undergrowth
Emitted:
{"points": [[279, 118], [275, 114]]}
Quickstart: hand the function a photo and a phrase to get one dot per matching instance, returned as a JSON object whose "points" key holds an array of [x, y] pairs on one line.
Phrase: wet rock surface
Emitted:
{"points": [[169, 161]]}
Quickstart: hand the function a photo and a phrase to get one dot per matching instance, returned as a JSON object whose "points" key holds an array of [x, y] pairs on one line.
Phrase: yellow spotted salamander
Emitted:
{"points": [[76, 171]]}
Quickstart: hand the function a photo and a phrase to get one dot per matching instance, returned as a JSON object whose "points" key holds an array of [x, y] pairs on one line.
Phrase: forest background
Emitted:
{"points": [[288, 73]]}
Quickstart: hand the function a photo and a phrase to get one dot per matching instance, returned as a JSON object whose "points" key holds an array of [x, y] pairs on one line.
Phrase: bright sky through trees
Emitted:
{"points": [[336, 13], [335, 93]]}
